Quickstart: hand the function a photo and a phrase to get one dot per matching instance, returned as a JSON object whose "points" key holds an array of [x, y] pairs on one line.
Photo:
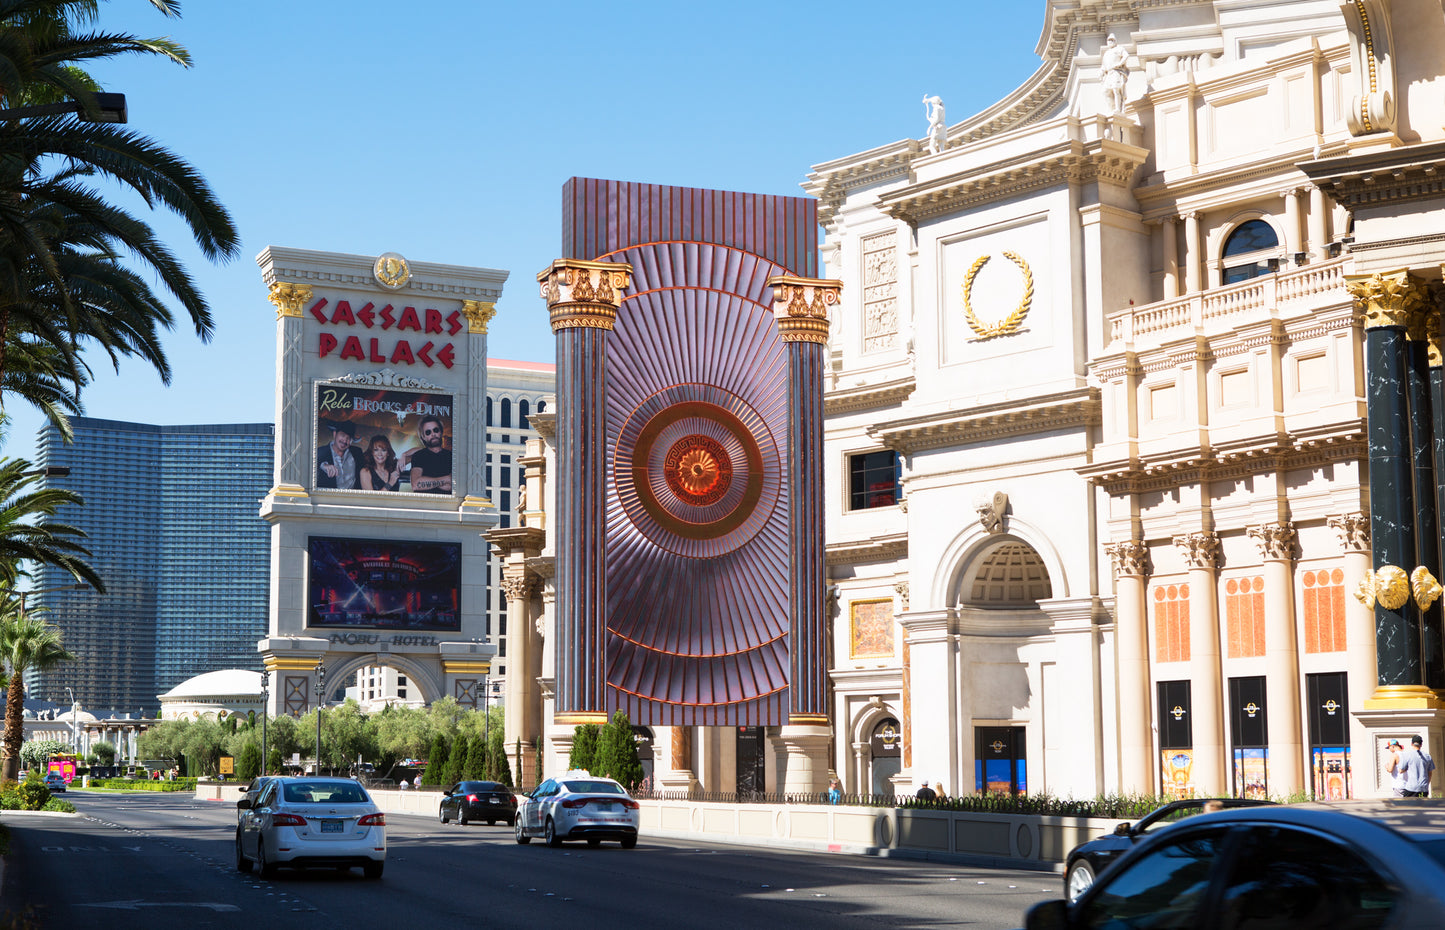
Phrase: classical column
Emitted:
{"points": [[582, 300], [1276, 543], [293, 398], [1131, 631], [800, 306], [1201, 553], [1354, 534], [474, 492], [1319, 215], [1386, 302], [1170, 239], [1422, 368], [1193, 257], [1293, 232], [523, 719]]}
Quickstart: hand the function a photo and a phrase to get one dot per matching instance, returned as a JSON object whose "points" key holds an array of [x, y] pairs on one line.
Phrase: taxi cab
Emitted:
{"points": [[579, 806]]}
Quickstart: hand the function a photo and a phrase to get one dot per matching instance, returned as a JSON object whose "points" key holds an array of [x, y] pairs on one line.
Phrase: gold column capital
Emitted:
{"points": [[289, 298], [800, 305], [1387, 299], [583, 294], [479, 313]]}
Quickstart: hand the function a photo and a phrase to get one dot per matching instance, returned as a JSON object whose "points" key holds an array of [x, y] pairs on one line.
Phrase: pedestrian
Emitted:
{"points": [[1397, 789], [926, 793], [404, 784], [835, 793], [938, 790], [1415, 767]]}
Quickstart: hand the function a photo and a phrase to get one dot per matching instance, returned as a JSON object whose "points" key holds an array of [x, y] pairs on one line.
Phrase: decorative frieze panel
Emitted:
{"points": [[880, 291], [872, 628]]}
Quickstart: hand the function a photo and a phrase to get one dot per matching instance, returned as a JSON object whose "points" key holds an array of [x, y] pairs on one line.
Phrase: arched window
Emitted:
{"points": [[506, 413], [1250, 251], [541, 406], [522, 414], [489, 411]]}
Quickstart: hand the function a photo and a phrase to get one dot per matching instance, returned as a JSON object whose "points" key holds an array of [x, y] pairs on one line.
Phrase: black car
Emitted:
{"points": [[1362, 865], [479, 800], [1087, 860]]}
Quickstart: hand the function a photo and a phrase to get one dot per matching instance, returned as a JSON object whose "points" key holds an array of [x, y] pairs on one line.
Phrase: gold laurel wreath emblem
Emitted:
{"points": [[1010, 323]]}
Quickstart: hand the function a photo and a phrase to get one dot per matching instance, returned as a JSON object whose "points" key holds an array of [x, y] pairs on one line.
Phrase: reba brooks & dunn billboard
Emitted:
{"points": [[383, 439], [384, 584]]}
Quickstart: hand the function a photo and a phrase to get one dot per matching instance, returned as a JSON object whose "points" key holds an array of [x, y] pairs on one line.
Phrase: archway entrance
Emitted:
{"points": [[886, 752]]}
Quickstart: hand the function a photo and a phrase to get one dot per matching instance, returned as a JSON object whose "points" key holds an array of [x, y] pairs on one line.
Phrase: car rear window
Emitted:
{"points": [[306, 793], [594, 787]]}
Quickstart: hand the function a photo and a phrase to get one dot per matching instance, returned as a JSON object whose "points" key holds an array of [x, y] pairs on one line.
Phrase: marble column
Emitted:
{"points": [[1282, 682], [582, 299], [1137, 764], [1193, 256], [1169, 237], [1386, 302], [1319, 230], [293, 396], [1422, 368], [523, 719], [1353, 530], [800, 306], [1201, 553], [1293, 231]]}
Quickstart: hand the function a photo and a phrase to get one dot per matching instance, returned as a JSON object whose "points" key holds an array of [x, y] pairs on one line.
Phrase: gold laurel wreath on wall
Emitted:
{"points": [[1010, 323]]}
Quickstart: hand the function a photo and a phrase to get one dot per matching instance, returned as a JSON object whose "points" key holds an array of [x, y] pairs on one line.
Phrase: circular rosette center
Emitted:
{"points": [[698, 470]]}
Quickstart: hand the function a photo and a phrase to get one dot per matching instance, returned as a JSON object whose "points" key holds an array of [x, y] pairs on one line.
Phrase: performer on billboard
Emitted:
{"points": [[431, 464], [382, 473], [338, 463]]}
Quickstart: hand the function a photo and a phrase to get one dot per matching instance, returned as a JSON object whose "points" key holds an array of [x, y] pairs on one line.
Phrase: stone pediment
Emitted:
{"points": [[1077, 409]]}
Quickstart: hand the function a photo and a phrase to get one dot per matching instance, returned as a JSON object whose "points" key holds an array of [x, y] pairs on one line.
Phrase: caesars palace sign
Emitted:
{"points": [[401, 350]]}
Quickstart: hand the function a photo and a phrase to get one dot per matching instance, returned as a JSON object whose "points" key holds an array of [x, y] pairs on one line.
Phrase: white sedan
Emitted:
{"points": [[579, 806], [301, 822]]}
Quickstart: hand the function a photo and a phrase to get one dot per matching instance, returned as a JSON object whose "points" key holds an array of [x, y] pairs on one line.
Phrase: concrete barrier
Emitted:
{"points": [[1019, 841]]}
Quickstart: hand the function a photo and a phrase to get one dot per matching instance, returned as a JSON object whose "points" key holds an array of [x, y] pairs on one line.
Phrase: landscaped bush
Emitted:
{"points": [[144, 784], [60, 805], [23, 796]]}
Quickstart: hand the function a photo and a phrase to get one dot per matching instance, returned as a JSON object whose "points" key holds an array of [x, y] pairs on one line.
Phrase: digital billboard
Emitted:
{"points": [[383, 439], [384, 584]]}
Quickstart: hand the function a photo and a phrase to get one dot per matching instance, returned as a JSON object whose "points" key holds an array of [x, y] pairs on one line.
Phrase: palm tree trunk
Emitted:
{"points": [[14, 726]]}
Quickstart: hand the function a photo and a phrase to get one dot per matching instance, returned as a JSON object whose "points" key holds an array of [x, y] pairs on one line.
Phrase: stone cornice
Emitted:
{"points": [[877, 549], [1323, 445], [1406, 173], [829, 182], [545, 423], [1077, 409], [507, 540], [1071, 162], [868, 396], [348, 272]]}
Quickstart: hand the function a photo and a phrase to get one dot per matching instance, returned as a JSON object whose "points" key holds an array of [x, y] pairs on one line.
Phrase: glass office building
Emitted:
{"points": [[171, 513]]}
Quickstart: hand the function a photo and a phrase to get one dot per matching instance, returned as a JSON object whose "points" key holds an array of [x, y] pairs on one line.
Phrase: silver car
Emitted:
{"points": [[579, 806], [302, 822], [1345, 864]]}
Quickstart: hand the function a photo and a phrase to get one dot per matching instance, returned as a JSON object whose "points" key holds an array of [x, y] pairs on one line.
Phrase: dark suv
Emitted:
{"points": [[479, 800]]}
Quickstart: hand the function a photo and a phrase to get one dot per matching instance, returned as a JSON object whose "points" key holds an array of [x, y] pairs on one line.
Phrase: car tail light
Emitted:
{"points": [[472, 798], [574, 802], [287, 820], [372, 820], [629, 804]]}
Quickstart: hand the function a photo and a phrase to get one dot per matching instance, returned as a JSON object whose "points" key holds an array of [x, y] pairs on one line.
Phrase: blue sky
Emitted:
{"points": [[445, 130]]}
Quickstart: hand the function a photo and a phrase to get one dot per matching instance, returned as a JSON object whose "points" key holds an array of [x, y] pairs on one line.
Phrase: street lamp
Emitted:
{"points": [[265, 703], [74, 712], [320, 699], [108, 108]]}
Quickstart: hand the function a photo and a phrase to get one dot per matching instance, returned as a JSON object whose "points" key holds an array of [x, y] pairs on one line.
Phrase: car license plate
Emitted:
{"points": [[331, 826], [604, 806]]}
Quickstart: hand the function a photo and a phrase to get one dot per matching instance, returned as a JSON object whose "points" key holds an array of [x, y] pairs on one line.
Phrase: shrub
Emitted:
{"points": [[60, 805], [617, 752], [584, 747], [26, 795]]}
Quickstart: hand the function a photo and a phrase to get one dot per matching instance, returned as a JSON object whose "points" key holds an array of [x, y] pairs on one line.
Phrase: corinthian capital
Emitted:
{"points": [[289, 298], [479, 313], [800, 305], [1387, 299], [1200, 550], [584, 294], [1275, 541], [1130, 558], [519, 587], [1353, 530]]}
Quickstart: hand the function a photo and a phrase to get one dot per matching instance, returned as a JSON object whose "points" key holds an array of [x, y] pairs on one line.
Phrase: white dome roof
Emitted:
{"points": [[228, 682]]}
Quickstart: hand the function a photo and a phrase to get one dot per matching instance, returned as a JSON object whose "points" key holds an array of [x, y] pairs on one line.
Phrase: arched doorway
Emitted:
{"points": [[885, 747]]}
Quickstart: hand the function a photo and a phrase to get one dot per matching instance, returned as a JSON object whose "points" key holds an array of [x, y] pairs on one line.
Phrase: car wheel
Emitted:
{"points": [[1081, 876], [522, 838], [442, 815], [551, 834], [593, 841], [373, 869], [462, 816], [628, 842], [267, 869], [242, 863]]}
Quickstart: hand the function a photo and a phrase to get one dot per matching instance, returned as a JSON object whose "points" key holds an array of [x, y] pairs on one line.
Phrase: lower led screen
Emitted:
{"points": [[384, 584]]}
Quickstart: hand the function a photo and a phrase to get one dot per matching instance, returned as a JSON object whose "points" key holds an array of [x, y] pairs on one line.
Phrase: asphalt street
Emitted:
{"points": [[171, 858]]}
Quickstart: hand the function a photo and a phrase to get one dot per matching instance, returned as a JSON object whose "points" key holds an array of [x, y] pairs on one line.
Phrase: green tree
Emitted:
{"points": [[457, 761], [436, 763], [27, 643], [617, 752], [476, 767], [248, 763], [27, 534], [36, 751], [584, 747], [105, 752], [497, 758]]}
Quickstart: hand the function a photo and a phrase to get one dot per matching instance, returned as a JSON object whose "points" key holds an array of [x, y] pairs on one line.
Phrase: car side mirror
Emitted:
{"points": [[244, 804], [1124, 829], [1047, 915]]}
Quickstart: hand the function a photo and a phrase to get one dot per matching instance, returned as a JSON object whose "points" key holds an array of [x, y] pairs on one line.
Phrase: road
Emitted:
{"points": [[168, 858]]}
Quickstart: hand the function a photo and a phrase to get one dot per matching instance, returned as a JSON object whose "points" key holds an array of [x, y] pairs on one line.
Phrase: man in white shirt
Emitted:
{"points": [[1415, 768]]}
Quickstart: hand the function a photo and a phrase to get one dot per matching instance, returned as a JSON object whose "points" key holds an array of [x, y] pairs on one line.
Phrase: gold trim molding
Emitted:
{"points": [[1011, 323], [465, 667], [289, 298], [1403, 697], [580, 718], [583, 294], [291, 663]]}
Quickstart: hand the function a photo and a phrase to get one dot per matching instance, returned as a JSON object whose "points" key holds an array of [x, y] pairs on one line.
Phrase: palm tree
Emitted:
{"points": [[27, 642], [63, 244], [24, 538]]}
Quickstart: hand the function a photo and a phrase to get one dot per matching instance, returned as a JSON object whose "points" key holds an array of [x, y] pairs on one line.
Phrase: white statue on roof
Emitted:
{"points": [[937, 126], [1114, 76]]}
